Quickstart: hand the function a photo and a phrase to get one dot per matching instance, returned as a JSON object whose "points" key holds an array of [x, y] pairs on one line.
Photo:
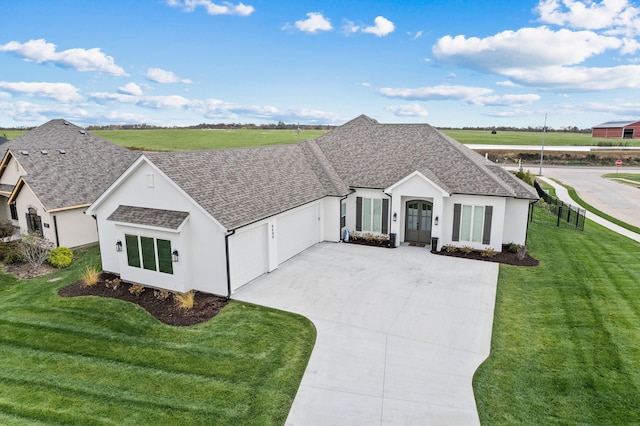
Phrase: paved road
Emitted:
{"points": [[616, 199], [400, 333]]}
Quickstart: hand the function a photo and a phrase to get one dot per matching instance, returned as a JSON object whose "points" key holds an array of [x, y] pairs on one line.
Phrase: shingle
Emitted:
{"points": [[169, 219], [86, 169]]}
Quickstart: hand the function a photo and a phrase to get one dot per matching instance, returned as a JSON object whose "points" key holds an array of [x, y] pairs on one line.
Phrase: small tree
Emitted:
{"points": [[35, 249], [6, 230]]}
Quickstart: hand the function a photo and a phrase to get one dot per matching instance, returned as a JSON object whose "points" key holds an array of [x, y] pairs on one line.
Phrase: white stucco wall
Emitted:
{"points": [[74, 227], [12, 172], [27, 199], [201, 242], [515, 222], [351, 205], [330, 219], [497, 220]]}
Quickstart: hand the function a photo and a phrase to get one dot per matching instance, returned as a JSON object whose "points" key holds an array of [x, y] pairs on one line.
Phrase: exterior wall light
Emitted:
{"points": [[395, 216], [436, 220], [118, 246], [174, 256]]}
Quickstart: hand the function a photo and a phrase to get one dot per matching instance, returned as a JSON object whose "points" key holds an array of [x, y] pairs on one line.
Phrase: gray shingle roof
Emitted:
{"points": [[242, 186], [76, 177], [169, 219], [366, 154], [615, 124]]}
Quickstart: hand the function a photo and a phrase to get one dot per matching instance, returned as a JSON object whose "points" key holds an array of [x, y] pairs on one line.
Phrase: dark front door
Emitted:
{"points": [[418, 221]]}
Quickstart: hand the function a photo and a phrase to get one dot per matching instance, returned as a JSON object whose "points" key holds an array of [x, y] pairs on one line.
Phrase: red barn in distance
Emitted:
{"points": [[617, 129]]}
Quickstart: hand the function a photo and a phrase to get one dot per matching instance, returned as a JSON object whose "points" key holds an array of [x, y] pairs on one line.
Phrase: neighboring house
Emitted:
{"points": [[214, 220], [617, 129], [51, 174]]}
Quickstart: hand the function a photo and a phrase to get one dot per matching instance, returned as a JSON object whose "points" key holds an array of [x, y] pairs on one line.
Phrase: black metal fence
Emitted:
{"points": [[558, 211]]}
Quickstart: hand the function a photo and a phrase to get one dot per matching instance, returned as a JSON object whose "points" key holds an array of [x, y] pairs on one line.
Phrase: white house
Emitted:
{"points": [[51, 174], [215, 220]]}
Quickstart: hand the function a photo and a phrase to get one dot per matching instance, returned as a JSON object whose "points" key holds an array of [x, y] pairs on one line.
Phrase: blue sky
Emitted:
{"points": [[445, 62]]}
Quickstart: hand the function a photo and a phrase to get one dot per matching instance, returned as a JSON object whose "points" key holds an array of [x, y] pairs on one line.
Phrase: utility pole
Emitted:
{"points": [[544, 130]]}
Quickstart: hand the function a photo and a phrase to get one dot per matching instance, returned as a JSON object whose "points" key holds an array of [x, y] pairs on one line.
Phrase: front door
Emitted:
{"points": [[418, 221]]}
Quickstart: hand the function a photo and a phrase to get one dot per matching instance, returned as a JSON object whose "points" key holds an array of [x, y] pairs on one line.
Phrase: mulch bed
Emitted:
{"points": [[505, 257], [205, 306]]}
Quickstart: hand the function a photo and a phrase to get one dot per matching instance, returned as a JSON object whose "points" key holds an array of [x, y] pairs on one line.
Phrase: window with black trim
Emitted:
{"points": [[372, 215], [472, 223], [14, 211], [149, 253]]}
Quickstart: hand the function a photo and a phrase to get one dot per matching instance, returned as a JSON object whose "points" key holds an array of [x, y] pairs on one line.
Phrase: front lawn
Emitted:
{"points": [[566, 336], [90, 360]]}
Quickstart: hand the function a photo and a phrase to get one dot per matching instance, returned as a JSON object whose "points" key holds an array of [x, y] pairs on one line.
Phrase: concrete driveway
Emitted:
{"points": [[400, 333]]}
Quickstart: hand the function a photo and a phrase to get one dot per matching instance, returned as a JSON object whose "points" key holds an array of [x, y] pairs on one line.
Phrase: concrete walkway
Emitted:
{"points": [[400, 333]]}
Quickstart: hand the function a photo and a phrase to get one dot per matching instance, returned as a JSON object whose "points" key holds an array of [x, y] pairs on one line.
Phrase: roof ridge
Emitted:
{"points": [[337, 184]]}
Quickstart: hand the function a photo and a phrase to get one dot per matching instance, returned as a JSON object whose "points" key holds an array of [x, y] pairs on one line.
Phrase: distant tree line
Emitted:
{"points": [[566, 129], [226, 126]]}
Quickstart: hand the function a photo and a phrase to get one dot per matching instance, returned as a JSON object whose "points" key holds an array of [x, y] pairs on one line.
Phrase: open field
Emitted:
{"points": [[531, 138], [566, 336], [92, 360]]}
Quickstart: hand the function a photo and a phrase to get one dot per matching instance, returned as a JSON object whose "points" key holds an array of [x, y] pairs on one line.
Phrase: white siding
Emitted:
{"points": [[250, 258], [297, 230], [497, 220], [515, 221]]}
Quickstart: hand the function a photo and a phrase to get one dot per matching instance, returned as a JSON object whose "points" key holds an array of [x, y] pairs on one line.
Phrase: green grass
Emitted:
{"points": [[566, 336], [90, 360], [628, 176], [11, 134], [529, 138], [192, 139]]}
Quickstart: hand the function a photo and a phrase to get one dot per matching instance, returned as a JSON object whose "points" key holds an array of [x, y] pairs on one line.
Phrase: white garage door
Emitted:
{"points": [[248, 255], [297, 231]]}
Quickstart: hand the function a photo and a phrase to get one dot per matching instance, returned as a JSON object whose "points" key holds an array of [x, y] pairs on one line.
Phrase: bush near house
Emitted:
{"points": [[60, 257]]}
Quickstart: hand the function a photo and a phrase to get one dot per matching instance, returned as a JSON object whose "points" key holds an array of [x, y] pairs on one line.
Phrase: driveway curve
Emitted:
{"points": [[400, 332]]}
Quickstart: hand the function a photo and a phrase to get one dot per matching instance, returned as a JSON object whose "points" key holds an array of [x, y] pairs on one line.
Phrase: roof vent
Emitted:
{"points": [[44, 152], [83, 132], [24, 152], [66, 123], [62, 151]]}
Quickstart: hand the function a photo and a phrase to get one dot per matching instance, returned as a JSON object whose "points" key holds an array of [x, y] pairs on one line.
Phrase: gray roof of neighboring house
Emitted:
{"points": [[615, 124], [67, 166], [241, 186], [169, 219]]}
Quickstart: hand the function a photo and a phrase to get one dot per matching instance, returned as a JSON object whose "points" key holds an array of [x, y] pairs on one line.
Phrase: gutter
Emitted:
{"points": [[226, 251]]}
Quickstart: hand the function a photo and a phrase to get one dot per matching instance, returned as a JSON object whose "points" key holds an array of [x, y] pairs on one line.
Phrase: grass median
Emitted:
{"points": [[90, 360], [566, 335]]}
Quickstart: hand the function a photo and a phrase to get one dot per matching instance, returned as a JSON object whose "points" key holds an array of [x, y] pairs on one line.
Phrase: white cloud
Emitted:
{"points": [[61, 92], [579, 78], [154, 102], [226, 8], [382, 27], [350, 27], [504, 100], [441, 92], [613, 16], [523, 49], [38, 113], [40, 51], [315, 22], [408, 110], [130, 89], [162, 76]]}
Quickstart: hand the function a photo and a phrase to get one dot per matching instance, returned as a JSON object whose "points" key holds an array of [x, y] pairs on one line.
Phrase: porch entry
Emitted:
{"points": [[418, 221]]}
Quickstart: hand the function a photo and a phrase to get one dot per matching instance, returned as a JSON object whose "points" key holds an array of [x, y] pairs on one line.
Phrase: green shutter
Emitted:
{"points": [[486, 233], [164, 256], [385, 216], [148, 253], [133, 252], [358, 213], [456, 222]]}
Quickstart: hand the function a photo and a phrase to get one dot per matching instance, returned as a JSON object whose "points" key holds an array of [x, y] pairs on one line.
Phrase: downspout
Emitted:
{"points": [[340, 216], [226, 250], [55, 230]]}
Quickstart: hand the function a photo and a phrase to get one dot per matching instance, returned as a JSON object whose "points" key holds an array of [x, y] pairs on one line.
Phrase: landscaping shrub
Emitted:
{"points": [[450, 248], [466, 249], [488, 252], [6, 230], [90, 276], [136, 289], [10, 253], [161, 294], [34, 249], [60, 257], [185, 300], [521, 251], [512, 248]]}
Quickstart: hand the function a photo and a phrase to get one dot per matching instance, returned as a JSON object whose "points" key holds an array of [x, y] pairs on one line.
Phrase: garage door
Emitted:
{"points": [[297, 231], [248, 256]]}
